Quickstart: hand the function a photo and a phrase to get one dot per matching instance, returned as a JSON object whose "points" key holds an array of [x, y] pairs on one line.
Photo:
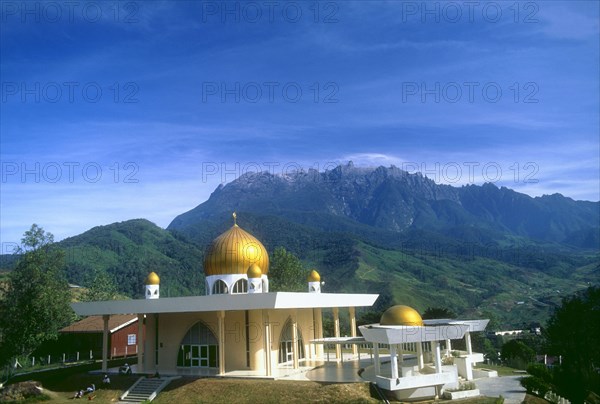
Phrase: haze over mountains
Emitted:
{"points": [[478, 250]]}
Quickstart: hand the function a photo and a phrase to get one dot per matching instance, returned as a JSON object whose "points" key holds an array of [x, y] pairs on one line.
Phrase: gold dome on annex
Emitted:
{"points": [[152, 279], [233, 252], [401, 315]]}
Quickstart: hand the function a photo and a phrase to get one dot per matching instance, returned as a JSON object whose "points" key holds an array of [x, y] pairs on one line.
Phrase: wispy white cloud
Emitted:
{"points": [[372, 159]]}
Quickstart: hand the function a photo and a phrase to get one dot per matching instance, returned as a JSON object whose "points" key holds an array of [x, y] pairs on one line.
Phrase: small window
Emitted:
{"points": [[131, 339], [220, 288], [241, 286]]}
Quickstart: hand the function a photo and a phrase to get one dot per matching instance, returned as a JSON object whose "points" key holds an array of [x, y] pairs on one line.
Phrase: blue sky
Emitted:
{"points": [[119, 110]]}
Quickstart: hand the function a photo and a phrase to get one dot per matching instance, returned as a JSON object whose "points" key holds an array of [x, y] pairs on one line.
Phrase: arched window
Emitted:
{"points": [[199, 348], [286, 347], [220, 288], [241, 286]]}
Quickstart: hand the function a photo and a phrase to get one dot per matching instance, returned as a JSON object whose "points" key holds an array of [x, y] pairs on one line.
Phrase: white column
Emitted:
{"points": [[376, 355], [420, 361], [393, 361], [438, 357], [468, 343], [319, 332], [105, 343], [400, 353], [448, 348], [140, 344], [267, 340], [336, 327], [295, 339], [221, 326], [352, 312], [149, 347]]}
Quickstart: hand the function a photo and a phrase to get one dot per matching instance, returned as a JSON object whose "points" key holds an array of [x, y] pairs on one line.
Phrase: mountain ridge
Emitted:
{"points": [[397, 201]]}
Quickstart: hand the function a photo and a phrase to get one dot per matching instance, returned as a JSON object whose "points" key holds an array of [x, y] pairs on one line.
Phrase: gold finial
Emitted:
{"points": [[234, 219]]}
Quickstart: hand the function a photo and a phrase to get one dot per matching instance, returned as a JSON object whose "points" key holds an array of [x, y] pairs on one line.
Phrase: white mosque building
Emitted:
{"points": [[241, 328]]}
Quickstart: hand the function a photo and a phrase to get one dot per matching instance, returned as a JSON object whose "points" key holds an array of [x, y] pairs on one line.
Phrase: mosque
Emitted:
{"points": [[241, 328]]}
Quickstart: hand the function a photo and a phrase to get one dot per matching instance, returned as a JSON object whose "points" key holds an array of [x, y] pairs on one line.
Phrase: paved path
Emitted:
{"points": [[507, 386]]}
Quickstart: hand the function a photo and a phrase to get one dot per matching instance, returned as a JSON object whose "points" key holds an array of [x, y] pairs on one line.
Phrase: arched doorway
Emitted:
{"points": [[199, 348], [286, 343]]}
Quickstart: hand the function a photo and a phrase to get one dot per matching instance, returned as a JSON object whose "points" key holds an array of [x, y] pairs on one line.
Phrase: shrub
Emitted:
{"points": [[535, 386], [30, 390], [467, 386], [448, 360], [540, 371]]}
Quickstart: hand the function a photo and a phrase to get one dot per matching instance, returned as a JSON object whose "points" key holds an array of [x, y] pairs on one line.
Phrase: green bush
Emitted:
{"points": [[535, 386], [517, 355], [540, 371], [467, 386]]}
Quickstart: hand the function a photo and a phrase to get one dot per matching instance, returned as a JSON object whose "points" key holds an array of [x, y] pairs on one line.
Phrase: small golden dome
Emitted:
{"points": [[254, 272], [233, 252], [314, 276], [152, 279], [401, 315]]}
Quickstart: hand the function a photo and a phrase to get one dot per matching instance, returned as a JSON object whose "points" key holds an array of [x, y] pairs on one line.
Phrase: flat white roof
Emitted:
{"points": [[252, 301], [408, 333], [433, 330]]}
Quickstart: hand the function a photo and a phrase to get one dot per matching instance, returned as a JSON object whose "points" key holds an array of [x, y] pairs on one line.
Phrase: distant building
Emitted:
{"points": [[508, 332]]}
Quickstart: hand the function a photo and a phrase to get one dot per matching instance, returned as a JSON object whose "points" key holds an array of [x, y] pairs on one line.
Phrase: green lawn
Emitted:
{"points": [[188, 390], [185, 390], [61, 389], [502, 370]]}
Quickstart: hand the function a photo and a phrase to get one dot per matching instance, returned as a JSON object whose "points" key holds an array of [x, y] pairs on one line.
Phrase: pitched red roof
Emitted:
{"points": [[95, 324]]}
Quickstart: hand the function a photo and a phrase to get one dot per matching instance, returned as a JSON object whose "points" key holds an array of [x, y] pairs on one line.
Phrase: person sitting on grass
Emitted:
{"points": [[106, 379], [91, 388], [78, 394]]}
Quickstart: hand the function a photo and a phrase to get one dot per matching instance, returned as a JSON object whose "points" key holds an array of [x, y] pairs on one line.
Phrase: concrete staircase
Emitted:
{"points": [[145, 389]]}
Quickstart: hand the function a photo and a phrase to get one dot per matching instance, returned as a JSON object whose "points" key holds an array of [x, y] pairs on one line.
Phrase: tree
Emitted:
{"points": [[36, 303], [517, 354], [437, 313], [573, 333], [102, 287], [286, 273]]}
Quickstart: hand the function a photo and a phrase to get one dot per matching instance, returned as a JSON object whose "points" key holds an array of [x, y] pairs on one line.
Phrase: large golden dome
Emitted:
{"points": [[401, 315], [233, 252]]}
